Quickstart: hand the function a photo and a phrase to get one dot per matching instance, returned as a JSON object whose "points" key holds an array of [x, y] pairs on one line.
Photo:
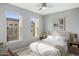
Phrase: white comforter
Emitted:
{"points": [[49, 47], [44, 50]]}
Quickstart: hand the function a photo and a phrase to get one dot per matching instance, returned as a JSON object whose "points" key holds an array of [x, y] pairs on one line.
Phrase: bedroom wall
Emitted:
{"points": [[26, 33], [71, 20]]}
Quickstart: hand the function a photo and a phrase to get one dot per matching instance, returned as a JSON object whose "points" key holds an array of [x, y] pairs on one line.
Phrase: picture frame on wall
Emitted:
{"points": [[59, 24]]}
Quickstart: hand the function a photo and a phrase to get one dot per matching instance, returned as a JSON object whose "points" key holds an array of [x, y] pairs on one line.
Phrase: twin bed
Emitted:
{"points": [[53, 45]]}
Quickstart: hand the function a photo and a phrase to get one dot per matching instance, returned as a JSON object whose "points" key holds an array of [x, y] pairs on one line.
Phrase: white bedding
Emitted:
{"points": [[44, 50], [52, 46]]}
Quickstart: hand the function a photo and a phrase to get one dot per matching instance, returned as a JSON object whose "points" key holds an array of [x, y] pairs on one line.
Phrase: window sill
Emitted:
{"points": [[14, 41]]}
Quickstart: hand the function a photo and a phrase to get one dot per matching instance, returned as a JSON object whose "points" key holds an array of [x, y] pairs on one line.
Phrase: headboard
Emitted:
{"points": [[62, 33]]}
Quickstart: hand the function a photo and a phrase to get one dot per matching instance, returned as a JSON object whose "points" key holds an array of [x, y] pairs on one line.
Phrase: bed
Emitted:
{"points": [[53, 45]]}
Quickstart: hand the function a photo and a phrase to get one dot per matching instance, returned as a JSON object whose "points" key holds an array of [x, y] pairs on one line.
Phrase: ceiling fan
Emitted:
{"points": [[44, 6]]}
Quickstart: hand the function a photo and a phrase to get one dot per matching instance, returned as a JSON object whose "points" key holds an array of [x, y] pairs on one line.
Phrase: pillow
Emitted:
{"points": [[49, 37], [63, 34], [60, 38], [57, 40]]}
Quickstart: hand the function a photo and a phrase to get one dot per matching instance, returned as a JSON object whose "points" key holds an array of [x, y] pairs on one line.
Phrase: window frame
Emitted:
{"points": [[20, 27], [36, 28]]}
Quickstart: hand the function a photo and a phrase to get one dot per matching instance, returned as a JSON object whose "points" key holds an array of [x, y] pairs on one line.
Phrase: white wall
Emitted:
{"points": [[26, 33], [2, 26], [71, 20]]}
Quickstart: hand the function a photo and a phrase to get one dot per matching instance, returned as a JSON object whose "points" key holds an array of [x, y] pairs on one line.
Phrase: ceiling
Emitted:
{"points": [[56, 7]]}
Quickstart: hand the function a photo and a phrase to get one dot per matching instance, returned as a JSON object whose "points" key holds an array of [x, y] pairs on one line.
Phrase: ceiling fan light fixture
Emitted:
{"points": [[43, 7]]}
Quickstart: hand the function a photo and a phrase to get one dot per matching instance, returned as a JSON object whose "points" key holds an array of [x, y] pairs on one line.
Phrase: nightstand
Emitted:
{"points": [[74, 47]]}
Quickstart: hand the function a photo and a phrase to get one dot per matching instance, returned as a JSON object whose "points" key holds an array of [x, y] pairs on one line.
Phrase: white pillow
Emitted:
{"points": [[51, 37], [56, 39], [60, 38]]}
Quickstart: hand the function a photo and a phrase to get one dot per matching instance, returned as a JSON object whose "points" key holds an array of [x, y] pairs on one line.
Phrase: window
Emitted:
{"points": [[35, 26], [13, 26]]}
